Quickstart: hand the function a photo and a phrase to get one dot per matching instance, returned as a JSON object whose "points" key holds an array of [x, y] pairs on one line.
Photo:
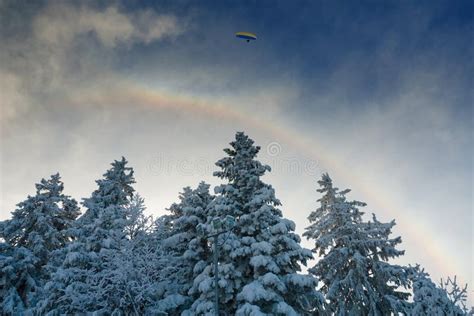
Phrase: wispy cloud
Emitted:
{"points": [[66, 45], [61, 23]]}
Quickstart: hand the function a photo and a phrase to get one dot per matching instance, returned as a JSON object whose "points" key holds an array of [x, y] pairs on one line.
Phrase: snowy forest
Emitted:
{"points": [[113, 259]]}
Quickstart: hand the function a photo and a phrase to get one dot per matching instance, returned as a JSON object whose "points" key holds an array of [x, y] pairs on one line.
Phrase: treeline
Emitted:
{"points": [[115, 260]]}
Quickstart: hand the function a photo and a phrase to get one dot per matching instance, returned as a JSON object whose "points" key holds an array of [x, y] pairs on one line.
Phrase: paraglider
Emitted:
{"points": [[246, 36]]}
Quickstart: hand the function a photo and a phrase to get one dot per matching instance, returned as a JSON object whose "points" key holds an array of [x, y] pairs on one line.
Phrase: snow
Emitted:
{"points": [[39, 226], [263, 239], [115, 260], [254, 292], [354, 265]]}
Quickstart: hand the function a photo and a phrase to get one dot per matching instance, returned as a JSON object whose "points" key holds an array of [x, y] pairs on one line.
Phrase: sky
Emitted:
{"points": [[376, 93]]}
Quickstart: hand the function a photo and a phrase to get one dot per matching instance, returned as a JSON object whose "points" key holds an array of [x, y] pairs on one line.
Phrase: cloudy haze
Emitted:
{"points": [[377, 94]]}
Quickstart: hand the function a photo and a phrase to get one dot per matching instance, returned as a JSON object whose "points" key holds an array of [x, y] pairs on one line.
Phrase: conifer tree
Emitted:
{"points": [[39, 226], [19, 287], [128, 282], [430, 299], [260, 259], [184, 249], [456, 294], [137, 223], [353, 266], [99, 234]]}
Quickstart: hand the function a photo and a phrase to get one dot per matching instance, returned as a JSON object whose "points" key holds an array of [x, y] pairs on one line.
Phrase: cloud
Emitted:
{"points": [[13, 100], [62, 23], [62, 46]]}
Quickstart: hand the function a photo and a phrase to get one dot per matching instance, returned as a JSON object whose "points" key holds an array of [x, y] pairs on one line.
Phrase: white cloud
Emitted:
{"points": [[60, 24], [66, 46]]}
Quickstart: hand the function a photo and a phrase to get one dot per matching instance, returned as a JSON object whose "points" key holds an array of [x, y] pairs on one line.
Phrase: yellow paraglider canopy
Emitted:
{"points": [[246, 35]]}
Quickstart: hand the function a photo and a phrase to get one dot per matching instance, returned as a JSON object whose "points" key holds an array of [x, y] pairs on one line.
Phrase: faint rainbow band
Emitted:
{"points": [[133, 94]]}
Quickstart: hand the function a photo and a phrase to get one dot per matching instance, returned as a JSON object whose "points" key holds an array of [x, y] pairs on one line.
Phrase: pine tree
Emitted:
{"points": [[184, 249], [99, 234], [128, 283], [430, 299], [152, 273], [38, 227], [19, 288], [138, 224], [456, 294], [260, 258], [353, 267]]}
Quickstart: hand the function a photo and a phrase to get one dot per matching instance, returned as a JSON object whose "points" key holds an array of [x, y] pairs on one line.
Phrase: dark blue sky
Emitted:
{"points": [[372, 45]]}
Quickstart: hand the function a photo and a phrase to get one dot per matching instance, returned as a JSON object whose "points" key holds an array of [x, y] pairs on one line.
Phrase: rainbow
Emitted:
{"points": [[138, 95]]}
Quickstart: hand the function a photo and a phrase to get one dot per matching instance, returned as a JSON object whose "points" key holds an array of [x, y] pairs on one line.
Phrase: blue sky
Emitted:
{"points": [[376, 93]]}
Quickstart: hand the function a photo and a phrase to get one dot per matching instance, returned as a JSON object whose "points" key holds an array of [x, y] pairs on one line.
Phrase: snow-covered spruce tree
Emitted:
{"points": [[138, 224], [19, 288], [353, 267], [129, 283], [39, 226], [153, 272], [430, 299], [99, 234], [185, 252], [456, 294], [260, 258]]}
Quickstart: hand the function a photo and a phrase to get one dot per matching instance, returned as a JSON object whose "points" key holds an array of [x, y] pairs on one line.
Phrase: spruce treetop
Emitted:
{"points": [[431, 299], [39, 227], [39, 223], [241, 168], [260, 257], [334, 218], [357, 277], [114, 190]]}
